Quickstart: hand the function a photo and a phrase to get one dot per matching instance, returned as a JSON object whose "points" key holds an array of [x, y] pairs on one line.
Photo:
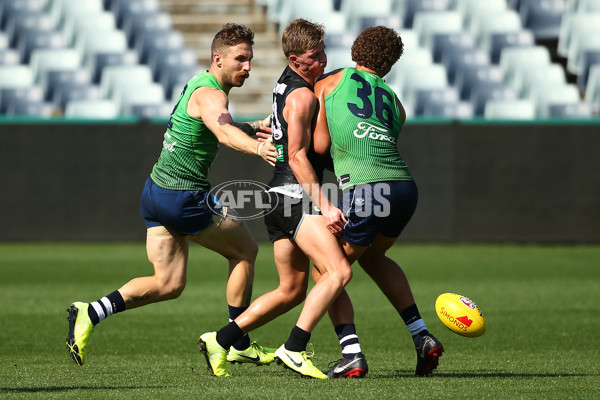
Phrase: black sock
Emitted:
{"points": [[298, 340], [243, 342], [228, 335]]}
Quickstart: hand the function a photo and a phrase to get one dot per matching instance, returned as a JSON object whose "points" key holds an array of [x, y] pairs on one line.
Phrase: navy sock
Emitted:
{"points": [[229, 334], [415, 324], [244, 341], [298, 340], [106, 306], [348, 340]]}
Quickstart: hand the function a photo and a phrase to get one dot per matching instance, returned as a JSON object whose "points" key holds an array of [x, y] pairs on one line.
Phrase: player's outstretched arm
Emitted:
{"points": [[210, 105]]}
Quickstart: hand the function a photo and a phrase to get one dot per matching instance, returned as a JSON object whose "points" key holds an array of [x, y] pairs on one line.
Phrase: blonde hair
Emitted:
{"points": [[301, 35]]}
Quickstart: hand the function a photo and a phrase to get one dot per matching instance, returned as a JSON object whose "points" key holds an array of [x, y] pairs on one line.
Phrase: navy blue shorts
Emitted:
{"points": [[381, 207], [187, 212]]}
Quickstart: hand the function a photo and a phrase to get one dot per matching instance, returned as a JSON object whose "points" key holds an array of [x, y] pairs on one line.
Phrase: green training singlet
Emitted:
{"points": [[364, 123], [189, 147]]}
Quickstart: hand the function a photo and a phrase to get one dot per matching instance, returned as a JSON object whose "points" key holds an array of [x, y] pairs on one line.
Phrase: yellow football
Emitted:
{"points": [[460, 314]]}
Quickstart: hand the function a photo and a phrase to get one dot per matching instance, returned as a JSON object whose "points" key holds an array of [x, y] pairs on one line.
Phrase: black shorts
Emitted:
{"points": [[284, 215]]}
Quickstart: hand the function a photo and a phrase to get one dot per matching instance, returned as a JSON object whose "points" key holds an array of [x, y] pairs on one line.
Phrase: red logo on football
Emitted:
{"points": [[465, 320]]}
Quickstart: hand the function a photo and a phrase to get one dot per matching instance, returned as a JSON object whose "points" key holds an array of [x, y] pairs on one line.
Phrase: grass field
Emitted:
{"points": [[543, 339]]}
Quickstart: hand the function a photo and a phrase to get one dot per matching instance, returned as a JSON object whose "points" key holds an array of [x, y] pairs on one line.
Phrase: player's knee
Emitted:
{"points": [[246, 252], [252, 250], [342, 275], [293, 296]]}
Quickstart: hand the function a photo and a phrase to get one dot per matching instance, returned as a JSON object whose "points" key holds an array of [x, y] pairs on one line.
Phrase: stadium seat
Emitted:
{"points": [[44, 60], [454, 59], [85, 21], [415, 59], [574, 110], [15, 76], [30, 108], [467, 8], [93, 109], [99, 61], [157, 41], [509, 109], [554, 95], [32, 40], [488, 91], [321, 11], [8, 9], [410, 8], [486, 23], [529, 79], [590, 57], [169, 58], [151, 111], [516, 58], [428, 24], [63, 80], [137, 25], [453, 109], [21, 23], [449, 41], [583, 6], [9, 57], [393, 21], [173, 76], [592, 91], [498, 41], [118, 76], [66, 11], [124, 9], [338, 51], [423, 78], [95, 42], [471, 76], [354, 10], [4, 41], [410, 41], [424, 97], [570, 24], [543, 18], [11, 96], [130, 95], [582, 41]]}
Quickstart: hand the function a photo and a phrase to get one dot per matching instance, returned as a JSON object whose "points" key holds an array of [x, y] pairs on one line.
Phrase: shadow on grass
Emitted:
{"points": [[71, 388], [490, 374]]}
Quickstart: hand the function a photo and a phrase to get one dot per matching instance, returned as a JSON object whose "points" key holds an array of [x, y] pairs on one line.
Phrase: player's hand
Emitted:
{"points": [[262, 127], [262, 136], [267, 151], [335, 220]]}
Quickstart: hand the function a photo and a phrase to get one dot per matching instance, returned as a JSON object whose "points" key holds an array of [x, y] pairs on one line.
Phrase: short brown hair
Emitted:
{"points": [[377, 48], [301, 35], [231, 35]]}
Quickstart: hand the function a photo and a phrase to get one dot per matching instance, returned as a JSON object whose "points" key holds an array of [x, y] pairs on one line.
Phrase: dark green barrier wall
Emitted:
{"points": [[478, 182]]}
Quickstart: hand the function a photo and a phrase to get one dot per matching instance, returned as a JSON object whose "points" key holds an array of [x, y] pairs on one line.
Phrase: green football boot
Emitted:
{"points": [[255, 354], [216, 356], [80, 330]]}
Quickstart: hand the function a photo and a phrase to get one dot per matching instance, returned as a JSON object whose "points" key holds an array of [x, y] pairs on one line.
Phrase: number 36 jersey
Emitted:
{"points": [[364, 122]]}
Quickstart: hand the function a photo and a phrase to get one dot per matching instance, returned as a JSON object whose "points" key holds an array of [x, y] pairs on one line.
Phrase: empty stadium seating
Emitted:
{"points": [[458, 54]]}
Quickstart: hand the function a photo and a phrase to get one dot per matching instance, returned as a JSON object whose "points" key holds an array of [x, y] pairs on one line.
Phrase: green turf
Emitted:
{"points": [[542, 341]]}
